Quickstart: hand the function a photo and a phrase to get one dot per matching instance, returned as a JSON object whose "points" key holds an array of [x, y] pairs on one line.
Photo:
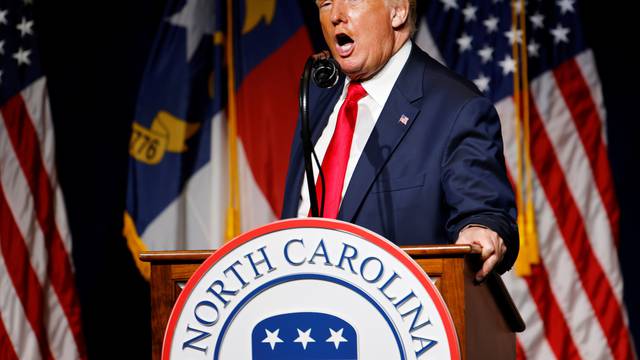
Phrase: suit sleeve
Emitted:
{"points": [[474, 178]]}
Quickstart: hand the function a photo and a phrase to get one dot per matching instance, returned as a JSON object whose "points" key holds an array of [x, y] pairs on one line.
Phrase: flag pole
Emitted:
{"points": [[521, 266], [530, 218], [233, 210]]}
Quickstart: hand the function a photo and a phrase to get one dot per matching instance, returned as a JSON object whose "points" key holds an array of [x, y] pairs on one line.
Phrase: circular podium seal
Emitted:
{"points": [[310, 289]]}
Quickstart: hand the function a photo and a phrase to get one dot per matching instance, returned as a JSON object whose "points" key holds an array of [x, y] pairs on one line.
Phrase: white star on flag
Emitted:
{"points": [[272, 338], [560, 34], [491, 24], [566, 6], [304, 337], [464, 42], [514, 35], [508, 65], [469, 12], [197, 17], [25, 27], [482, 82], [537, 20], [336, 337], [486, 53], [517, 6], [22, 56], [3, 16], [533, 48], [449, 4]]}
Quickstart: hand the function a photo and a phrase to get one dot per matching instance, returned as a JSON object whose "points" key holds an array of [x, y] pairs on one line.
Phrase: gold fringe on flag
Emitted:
{"points": [[529, 253], [233, 210], [136, 246]]}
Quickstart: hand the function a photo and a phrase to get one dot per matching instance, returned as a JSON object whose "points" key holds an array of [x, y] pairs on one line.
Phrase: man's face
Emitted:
{"points": [[359, 34]]}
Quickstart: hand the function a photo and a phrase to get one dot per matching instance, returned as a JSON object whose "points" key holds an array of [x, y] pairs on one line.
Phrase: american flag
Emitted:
{"points": [[39, 309], [567, 284]]}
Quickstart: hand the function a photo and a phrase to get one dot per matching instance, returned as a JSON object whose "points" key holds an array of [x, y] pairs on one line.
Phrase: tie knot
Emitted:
{"points": [[355, 92]]}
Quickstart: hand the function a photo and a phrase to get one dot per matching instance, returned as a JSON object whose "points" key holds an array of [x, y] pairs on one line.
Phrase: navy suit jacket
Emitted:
{"points": [[422, 182]]}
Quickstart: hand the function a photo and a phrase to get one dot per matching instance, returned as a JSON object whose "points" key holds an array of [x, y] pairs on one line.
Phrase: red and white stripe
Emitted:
{"points": [[39, 309], [572, 303], [577, 288]]}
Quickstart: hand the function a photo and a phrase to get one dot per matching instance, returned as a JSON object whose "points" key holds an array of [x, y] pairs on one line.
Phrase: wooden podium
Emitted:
{"points": [[485, 317]]}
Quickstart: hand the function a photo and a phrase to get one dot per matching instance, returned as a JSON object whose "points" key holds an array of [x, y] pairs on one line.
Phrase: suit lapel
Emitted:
{"points": [[386, 135]]}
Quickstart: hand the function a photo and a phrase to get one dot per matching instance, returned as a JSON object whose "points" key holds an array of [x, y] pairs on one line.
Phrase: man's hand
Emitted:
{"points": [[493, 248]]}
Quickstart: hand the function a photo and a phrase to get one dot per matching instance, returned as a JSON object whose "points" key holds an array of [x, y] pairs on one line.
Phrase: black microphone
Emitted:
{"points": [[325, 72]]}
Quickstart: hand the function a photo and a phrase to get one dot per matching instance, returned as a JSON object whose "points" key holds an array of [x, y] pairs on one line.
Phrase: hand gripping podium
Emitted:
{"points": [[484, 315]]}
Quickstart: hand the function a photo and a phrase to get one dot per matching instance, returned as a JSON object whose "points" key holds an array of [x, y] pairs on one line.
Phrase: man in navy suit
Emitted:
{"points": [[409, 149]]}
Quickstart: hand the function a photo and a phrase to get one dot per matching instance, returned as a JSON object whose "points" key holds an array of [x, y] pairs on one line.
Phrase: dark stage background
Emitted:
{"points": [[94, 53]]}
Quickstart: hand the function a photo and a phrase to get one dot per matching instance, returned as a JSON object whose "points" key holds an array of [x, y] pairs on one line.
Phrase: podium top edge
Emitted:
{"points": [[416, 251]]}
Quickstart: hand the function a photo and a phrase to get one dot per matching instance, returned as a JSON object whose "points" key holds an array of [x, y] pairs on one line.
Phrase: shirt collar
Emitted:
{"points": [[380, 85]]}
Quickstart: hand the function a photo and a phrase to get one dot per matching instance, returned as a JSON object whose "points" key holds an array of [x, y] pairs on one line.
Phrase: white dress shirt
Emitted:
{"points": [[378, 89]]}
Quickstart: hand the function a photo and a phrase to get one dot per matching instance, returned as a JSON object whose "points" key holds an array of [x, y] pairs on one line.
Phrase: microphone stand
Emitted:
{"points": [[325, 72], [307, 146]]}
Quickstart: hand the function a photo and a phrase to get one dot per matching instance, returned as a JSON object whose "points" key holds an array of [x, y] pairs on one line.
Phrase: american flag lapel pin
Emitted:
{"points": [[403, 119]]}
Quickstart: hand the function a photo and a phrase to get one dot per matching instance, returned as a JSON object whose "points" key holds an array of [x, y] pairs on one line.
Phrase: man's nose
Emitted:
{"points": [[338, 12]]}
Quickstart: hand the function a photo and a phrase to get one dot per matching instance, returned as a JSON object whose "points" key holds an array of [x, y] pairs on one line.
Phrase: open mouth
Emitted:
{"points": [[344, 44]]}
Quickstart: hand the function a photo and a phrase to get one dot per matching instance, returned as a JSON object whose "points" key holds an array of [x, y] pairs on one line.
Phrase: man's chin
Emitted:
{"points": [[351, 69]]}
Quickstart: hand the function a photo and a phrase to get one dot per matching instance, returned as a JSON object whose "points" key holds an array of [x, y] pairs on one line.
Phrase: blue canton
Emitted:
{"points": [[475, 38], [19, 56]]}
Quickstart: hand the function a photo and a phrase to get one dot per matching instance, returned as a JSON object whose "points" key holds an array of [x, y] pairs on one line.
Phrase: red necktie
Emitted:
{"points": [[334, 164]]}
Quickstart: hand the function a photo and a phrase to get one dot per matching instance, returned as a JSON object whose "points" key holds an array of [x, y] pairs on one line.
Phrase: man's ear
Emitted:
{"points": [[399, 13]]}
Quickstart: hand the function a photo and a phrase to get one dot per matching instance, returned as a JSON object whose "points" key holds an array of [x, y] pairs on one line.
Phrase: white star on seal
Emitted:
{"points": [[336, 337], [272, 338], [304, 337]]}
